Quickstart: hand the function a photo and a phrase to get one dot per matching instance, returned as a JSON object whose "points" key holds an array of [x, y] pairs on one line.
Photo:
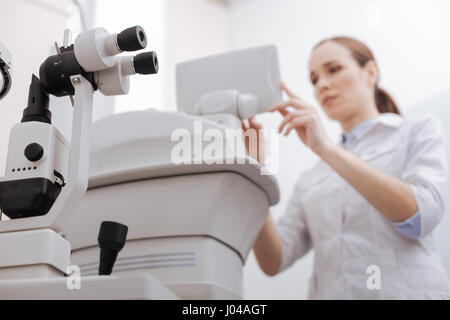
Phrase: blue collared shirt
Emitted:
{"points": [[410, 228]]}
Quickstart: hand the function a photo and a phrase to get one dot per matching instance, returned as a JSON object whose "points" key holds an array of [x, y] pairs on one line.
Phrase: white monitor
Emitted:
{"points": [[250, 71]]}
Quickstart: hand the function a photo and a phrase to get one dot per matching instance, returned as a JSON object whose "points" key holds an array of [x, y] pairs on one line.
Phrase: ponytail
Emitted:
{"points": [[384, 102]]}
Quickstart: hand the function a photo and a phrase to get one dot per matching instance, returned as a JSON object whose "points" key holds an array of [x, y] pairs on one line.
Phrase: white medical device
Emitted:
{"points": [[38, 155], [191, 225], [5, 71], [242, 83]]}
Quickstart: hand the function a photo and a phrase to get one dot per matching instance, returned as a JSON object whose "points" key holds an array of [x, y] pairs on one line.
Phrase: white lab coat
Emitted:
{"points": [[348, 235]]}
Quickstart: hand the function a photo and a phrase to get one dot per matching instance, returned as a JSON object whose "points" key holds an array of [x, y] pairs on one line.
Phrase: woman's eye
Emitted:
{"points": [[314, 81], [335, 69]]}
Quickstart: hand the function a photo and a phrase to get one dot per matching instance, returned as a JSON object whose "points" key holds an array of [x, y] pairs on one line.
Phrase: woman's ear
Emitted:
{"points": [[372, 71]]}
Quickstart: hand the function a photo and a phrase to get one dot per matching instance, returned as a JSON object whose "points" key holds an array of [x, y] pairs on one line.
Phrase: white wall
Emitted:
{"points": [[410, 41], [117, 15], [176, 30], [194, 28]]}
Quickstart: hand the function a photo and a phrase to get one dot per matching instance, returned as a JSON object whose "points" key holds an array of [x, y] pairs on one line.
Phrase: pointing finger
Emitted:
{"points": [[287, 90], [294, 103]]}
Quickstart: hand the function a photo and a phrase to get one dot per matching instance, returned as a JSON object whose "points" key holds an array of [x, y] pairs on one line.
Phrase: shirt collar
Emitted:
{"points": [[387, 119]]}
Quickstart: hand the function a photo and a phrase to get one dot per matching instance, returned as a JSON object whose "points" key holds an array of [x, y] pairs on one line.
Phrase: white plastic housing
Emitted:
{"points": [[242, 106], [77, 179], [47, 255], [56, 152], [191, 267], [215, 210], [252, 72], [95, 49], [133, 287], [115, 80]]}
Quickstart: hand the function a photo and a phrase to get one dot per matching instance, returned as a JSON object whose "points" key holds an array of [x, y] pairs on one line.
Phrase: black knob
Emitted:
{"points": [[111, 239], [34, 152], [132, 39], [146, 63]]}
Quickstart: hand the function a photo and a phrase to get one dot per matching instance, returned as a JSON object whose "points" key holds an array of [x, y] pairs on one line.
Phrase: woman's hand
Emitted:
{"points": [[255, 139], [305, 120]]}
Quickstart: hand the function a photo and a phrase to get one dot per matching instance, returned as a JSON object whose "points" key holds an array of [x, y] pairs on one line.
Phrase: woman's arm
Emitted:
{"points": [[390, 196], [267, 248]]}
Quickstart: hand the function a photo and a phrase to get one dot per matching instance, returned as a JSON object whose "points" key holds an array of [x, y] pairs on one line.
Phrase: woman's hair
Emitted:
{"points": [[362, 54]]}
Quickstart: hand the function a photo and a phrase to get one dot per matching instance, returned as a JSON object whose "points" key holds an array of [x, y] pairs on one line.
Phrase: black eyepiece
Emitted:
{"points": [[146, 63], [132, 39]]}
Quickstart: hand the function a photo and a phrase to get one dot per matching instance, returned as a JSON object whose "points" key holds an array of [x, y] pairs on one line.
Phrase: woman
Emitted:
{"points": [[369, 207]]}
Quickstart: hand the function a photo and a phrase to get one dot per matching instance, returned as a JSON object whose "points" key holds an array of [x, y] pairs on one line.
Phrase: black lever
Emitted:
{"points": [[111, 239]]}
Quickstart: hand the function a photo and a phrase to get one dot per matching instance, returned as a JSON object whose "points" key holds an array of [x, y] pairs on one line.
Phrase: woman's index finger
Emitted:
{"points": [[288, 91]]}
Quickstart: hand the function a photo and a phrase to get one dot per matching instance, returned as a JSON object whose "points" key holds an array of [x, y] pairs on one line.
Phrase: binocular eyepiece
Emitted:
{"points": [[93, 55], [132, 39], [146, 63]]}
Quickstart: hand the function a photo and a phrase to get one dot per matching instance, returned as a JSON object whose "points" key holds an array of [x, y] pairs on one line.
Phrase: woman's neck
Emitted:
{"points": [[359, 118]]}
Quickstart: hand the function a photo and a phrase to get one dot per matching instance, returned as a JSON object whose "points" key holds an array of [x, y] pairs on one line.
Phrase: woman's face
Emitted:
{"points": [[341, 86]]}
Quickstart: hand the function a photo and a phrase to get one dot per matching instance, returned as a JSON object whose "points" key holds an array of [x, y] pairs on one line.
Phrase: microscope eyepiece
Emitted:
{"points": [[146, 63], [132, 39], [38, 103]]}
